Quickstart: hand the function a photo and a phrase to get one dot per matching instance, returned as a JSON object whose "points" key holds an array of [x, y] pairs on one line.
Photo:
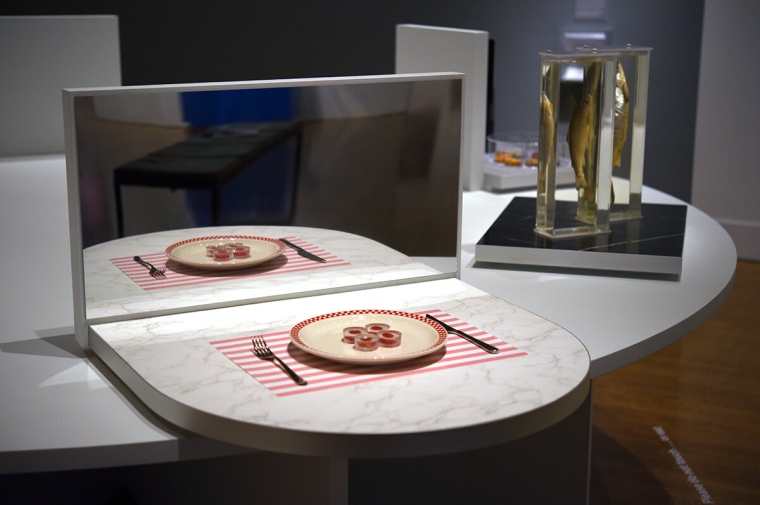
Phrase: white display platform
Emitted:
{"points": [[500, 177], [635, 315], [170, 364]]}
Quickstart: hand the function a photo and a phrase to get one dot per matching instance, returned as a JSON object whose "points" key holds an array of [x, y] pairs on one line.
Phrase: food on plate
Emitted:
{"points": [[222, 254], [373, 328], [371, 336], [366, 342], [511, 159], [389, 338], [351, 332], [241, 251]]}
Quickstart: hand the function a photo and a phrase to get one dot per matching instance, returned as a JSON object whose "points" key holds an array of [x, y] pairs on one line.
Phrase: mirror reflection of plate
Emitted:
{"points": [[192, 252], [323, 336]]}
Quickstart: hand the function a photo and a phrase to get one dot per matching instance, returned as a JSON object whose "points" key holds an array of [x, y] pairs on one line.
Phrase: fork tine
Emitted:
{"points": [[152, 270]]}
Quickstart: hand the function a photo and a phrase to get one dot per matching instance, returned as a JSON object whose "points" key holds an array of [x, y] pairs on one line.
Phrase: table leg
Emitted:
{"points": [[548, 467], [216, 206], [119, 209], [338, 481]]}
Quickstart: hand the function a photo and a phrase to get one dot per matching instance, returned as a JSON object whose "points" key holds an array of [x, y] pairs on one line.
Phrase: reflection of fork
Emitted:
{"points": [[154, 272]]}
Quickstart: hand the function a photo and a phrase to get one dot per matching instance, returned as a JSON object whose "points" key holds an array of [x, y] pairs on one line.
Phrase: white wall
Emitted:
{"points": [[261, 39], [41, 55], [726, 176]]}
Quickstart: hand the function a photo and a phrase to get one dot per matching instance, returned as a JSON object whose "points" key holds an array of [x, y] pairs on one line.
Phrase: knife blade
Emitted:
{"points": [[303, 252], [486, 347]]}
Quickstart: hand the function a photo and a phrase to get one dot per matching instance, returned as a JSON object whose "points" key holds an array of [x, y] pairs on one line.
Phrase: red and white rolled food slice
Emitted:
{"points": [[351, 332], [366, 342], [389, 338], [373, 328]]}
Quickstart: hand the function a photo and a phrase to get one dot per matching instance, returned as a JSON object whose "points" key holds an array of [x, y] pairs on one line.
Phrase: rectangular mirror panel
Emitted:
{"points": [[377, 157]]}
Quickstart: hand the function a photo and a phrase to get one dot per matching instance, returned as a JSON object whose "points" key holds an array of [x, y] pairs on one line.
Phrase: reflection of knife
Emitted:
{"points": [[479, 343], [303, 252]]}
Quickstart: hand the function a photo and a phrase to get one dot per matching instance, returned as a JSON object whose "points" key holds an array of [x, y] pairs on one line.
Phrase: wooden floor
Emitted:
{"points": [[682, 426]]}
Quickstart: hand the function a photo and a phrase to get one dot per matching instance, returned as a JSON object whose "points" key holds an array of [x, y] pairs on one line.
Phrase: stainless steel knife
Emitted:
{"points": [[486, 347], [303, 252]]}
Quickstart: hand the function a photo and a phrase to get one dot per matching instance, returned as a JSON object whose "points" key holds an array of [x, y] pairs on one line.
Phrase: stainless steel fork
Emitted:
{"points": [[154, 272], [262, 351]]}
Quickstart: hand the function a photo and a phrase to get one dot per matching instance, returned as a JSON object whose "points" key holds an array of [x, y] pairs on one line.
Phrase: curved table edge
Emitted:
{"points": [[611, 362], [320, 444]]}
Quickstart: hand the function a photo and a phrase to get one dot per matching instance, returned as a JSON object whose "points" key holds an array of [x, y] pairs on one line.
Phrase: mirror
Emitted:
{"points": [[377, 157]]}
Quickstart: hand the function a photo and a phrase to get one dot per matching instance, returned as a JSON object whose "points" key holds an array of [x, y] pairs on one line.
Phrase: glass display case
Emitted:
{"points": [[589, 137], [593, 111], [605, 135], [631, 91]]}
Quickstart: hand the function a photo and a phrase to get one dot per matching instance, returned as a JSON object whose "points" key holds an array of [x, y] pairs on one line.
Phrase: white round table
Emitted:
{"points": [[53, 385], [619, 318]]}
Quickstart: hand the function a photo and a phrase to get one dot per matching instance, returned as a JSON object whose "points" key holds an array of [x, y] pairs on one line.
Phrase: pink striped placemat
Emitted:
{"points": [[182, 275], [321, 373]]}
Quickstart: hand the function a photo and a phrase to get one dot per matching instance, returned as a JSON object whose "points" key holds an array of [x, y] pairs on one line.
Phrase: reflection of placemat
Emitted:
{"points": [[325, 374], [181, 275]]}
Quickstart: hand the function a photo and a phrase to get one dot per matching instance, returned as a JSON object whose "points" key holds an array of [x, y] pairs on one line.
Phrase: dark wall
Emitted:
{"points": [[170, 41]]}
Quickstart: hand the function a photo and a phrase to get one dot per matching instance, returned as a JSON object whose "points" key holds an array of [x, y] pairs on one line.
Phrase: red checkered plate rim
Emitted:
{"points": [[192, 252], [323, 336]]}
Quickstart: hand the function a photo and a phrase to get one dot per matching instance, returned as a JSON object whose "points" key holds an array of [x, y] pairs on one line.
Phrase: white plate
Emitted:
{"points": [[323, 336], [192, 252]]}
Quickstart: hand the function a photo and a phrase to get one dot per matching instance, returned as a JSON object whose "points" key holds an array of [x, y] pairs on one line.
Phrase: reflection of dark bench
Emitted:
{"points": [[204, 162]]}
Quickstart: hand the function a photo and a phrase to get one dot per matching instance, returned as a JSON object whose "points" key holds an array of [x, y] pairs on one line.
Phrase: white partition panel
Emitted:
{"points": [[434, 49]]}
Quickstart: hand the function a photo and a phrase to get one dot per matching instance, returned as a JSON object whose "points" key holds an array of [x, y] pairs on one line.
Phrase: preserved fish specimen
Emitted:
{"points": [[622, 107], [546, 129], [578, 137]]}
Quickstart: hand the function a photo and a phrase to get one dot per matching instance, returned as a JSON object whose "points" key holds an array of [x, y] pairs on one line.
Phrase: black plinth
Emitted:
{"points": [[651, 244]]}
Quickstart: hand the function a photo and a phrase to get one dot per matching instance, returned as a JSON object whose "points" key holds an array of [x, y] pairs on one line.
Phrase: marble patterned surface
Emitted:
{"points": [[110, 295], [169, 362]]}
